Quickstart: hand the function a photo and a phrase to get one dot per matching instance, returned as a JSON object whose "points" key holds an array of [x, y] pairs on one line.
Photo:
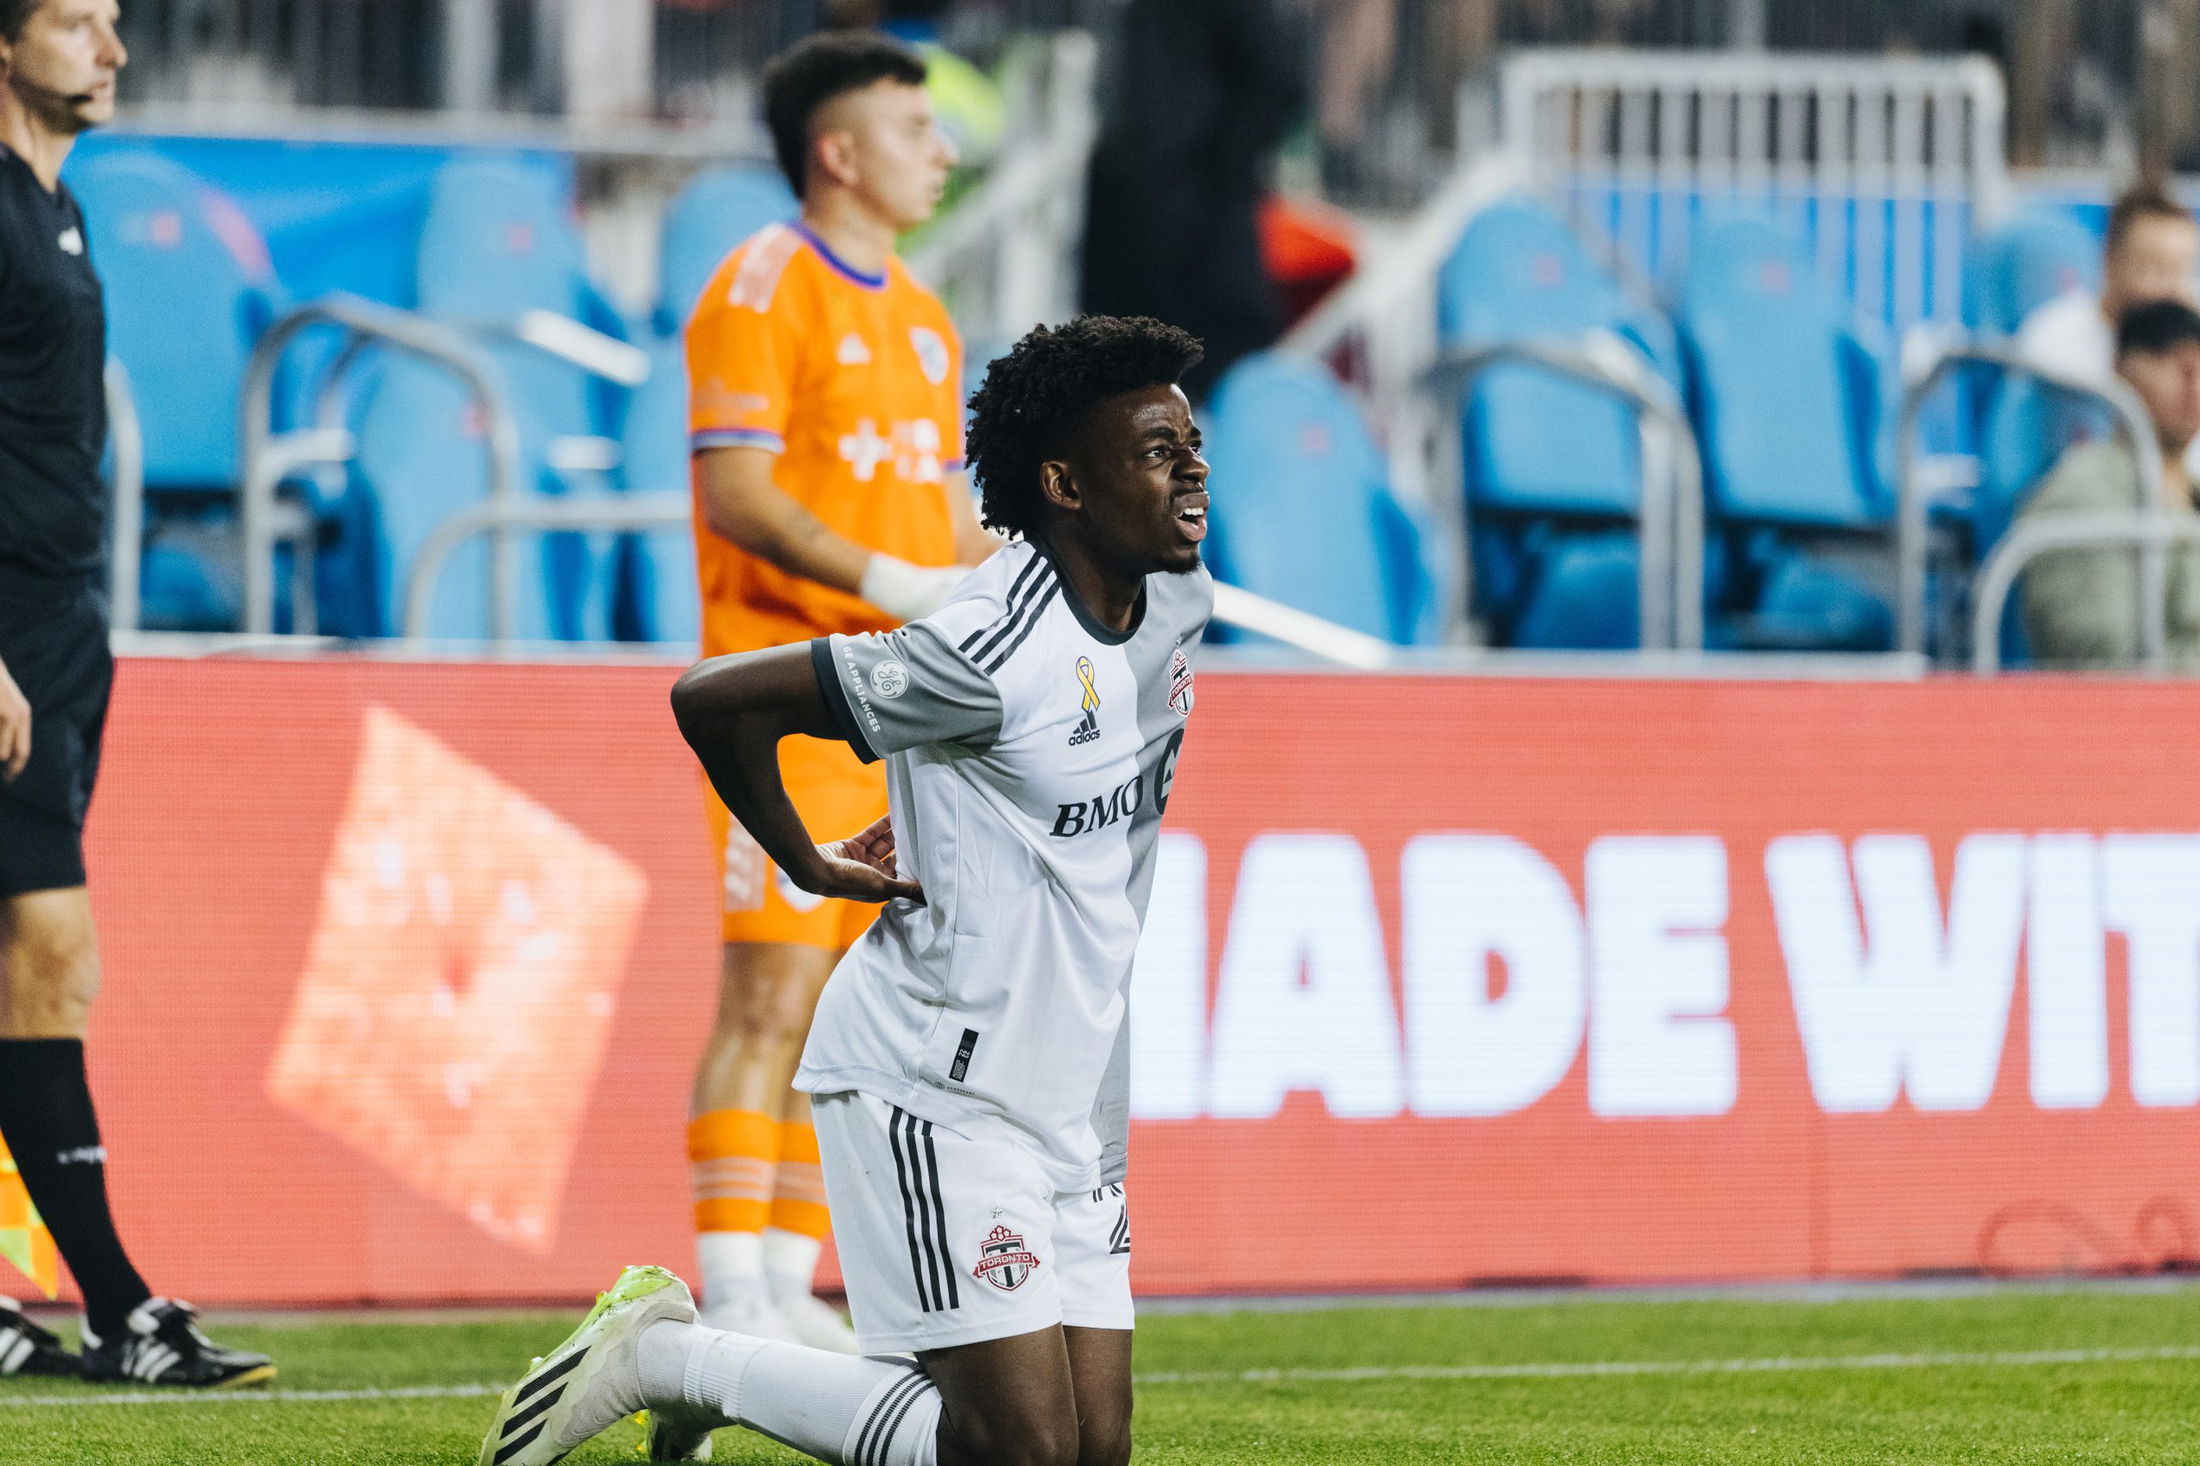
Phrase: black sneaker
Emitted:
{"points": [[25, 1348], [160, 1344]]}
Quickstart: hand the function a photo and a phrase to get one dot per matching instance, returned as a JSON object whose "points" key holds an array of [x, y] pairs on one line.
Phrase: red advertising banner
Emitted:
{"points": [[1447, 981]]}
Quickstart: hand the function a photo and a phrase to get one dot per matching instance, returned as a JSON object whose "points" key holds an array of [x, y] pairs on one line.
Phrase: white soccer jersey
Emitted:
{"points": [[1030, 754]]}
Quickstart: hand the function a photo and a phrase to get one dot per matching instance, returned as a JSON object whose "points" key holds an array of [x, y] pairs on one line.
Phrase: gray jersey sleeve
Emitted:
{"points": [[903, 689]]}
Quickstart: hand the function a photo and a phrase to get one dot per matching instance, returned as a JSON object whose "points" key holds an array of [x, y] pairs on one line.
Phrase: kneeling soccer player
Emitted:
{"points": [[967, 1063]]}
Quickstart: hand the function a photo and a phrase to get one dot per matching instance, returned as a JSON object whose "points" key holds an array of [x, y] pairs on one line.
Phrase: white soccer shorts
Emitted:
{"points": [[946, 1239]]}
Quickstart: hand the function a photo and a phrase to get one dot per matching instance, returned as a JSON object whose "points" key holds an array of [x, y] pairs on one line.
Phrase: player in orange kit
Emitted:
{"points": [[826, 413]]}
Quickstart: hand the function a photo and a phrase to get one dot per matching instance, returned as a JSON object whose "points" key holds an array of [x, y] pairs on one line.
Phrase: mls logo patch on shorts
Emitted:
{"points": [[1004, 1261]]}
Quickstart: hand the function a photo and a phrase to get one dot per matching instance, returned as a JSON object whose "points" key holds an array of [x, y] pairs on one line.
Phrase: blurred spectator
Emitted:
{"points": [[2153, 253], [1203, 92], [2081, 607], [1357, 42]]}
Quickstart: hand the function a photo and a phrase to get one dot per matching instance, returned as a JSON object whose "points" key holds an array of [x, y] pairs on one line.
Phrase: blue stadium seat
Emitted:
{"points": [[1584, 594], [1303, 511], [2008, 272], [498, 241], [2024, 425], [1551, 465], [2021, 265], [2026, 428], [1806, 604], [189, 290], [716, 211], [658, 569], [1791, 409], [424, 448], [1788, 400], [1537, 442]]}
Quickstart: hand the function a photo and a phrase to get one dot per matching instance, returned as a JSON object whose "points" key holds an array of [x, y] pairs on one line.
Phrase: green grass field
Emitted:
{"points": [[2081, 1375]]}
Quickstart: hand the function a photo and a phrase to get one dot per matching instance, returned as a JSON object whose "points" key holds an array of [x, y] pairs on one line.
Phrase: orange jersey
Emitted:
{"points": [[855, 382]]}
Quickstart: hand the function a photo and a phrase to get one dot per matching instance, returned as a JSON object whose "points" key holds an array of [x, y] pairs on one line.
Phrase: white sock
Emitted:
{"points": [[732, 1265], [843, 1410], [790, 1262]]}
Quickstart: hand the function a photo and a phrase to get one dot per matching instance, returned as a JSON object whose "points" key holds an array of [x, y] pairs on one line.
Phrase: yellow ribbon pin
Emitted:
{"points": [[1092, 693]]}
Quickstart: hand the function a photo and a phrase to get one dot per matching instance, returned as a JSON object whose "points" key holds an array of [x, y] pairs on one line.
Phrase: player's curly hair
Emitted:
{"points": [[1035, 394]]}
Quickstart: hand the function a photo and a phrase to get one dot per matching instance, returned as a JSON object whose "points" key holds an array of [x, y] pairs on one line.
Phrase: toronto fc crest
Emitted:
{"points": [[1004, 1261], [1180, 683]]}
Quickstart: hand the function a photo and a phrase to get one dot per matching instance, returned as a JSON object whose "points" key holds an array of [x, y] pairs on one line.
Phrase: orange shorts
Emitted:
{"points": [[837, 795]]}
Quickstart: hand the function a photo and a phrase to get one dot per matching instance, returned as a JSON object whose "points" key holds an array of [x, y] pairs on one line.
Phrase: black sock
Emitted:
{"points": [[46, 1117]]}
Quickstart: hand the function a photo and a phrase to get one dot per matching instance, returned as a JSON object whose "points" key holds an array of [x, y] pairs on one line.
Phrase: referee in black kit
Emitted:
{"points": [[58, 62]]}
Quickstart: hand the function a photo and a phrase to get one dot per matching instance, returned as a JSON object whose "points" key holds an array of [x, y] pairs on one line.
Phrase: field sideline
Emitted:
{"points": [[2018, 1375]]}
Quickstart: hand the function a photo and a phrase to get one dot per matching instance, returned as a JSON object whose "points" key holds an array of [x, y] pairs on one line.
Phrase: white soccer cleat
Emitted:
{"points": [[818, 1324], [753, 1314], [590, 1382]]}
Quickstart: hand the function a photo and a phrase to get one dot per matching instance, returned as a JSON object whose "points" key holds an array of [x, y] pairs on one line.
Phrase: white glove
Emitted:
{"points": [[908, 591]]}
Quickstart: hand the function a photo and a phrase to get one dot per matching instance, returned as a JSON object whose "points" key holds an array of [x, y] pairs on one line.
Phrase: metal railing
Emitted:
{"points": [[270, 458], [611, 58], [1340, 645], [1630, 141], [1912, 529], [504, 518], [1670, 513], [640, 513], [2152, 530], [126, 552]]}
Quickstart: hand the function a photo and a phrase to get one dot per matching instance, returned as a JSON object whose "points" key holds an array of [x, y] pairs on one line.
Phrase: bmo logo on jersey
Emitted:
{"points": [[1117, 805]]}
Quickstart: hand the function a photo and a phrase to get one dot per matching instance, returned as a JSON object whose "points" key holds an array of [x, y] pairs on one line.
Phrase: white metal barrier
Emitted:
{"points": [[2151, 530], [1913, 511], [1669, 513], [1889, 162], [271, 458], [1885, 165], [1326, 640]]}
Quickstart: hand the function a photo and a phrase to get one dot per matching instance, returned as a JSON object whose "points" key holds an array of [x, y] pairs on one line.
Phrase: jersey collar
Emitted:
{"points": [[840, 266], [1105, 635], [9, 157]]}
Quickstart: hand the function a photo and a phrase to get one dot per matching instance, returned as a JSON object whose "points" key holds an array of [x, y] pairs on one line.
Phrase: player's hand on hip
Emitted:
{"points": [[862, 868], [907, 591], [15, 728]]}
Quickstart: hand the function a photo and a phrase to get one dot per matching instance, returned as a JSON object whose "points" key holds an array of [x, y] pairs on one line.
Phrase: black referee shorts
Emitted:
{"points": [[61, 662]]}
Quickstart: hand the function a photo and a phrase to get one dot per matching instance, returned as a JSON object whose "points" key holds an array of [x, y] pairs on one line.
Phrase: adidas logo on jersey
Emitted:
{"points": [[1088, 727], [852, 351]]}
